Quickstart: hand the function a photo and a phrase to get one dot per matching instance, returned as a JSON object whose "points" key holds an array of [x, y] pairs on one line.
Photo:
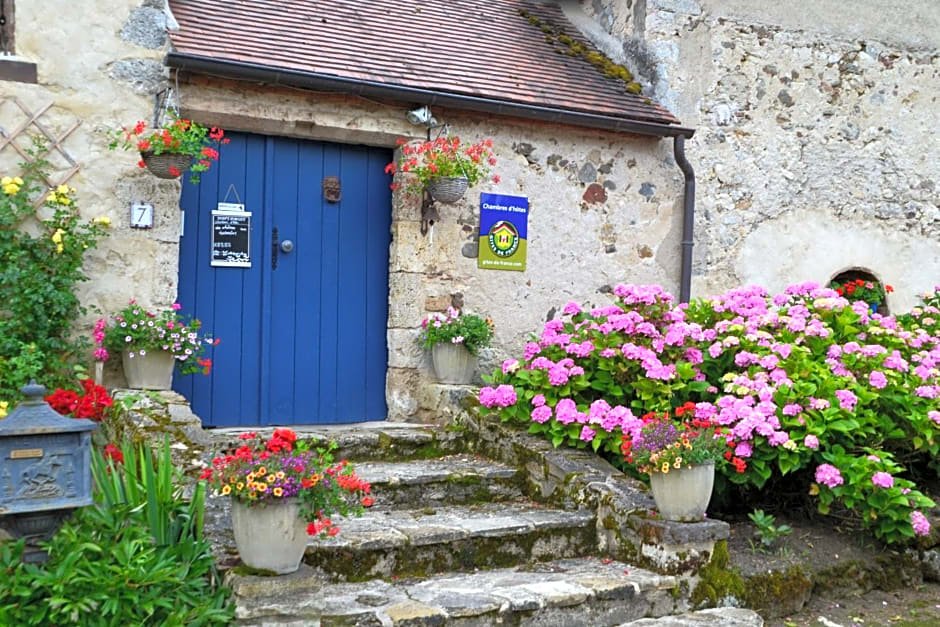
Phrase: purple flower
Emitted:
{"points": [[934, 415], [538, 400], [566, 411], [487, 397], [541, 413], [792, 409], [882, 480], [877, 379], [531, 350], [778, 437], [505, 396], [811, 442], [558, 376], [847, 399], [743, 449], [510, 365], [587, 434], [920, 524], [571, 309], [926, 391], [828, 475]]}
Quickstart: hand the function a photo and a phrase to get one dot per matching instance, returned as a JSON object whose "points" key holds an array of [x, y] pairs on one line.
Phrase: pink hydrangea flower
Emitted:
{"points": [[882, 480], [487, 397], [587, 434], [920, 524], [510, 365], [877, 379], [505, 396], [538, 400], [934, 415], [571, 309], [541, 413], [828, 475], [847, 399], [566, 411], [811, 442]]}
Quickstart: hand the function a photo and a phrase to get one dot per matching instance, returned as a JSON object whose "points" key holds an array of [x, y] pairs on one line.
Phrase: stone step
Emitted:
{"points": [[421, 542], [362, 441], [582, 592], [715, 617], [453, 480]]}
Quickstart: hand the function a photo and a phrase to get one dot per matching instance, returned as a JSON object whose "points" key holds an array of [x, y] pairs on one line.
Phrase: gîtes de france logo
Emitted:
{"points": [[503, 238]]}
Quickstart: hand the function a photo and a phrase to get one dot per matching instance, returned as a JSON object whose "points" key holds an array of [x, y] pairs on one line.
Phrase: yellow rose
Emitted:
{"points": [[62, 189], [57, 236], [17, 180], [64, 201], [102, 220], [52, 197], [6, 180], [59, 248], [10, 188], [3, 408]]}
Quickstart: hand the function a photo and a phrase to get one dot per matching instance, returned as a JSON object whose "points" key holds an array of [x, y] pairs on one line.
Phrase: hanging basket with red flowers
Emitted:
{"points": [[178, 146], [444, 167]]}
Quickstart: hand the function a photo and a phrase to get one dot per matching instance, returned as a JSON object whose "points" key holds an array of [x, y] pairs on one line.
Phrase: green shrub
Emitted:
{"points": [[42, 248], [813, 388]]}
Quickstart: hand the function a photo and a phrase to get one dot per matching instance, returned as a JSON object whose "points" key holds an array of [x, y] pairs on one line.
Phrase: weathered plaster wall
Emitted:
{"points": [[816, 148], [102, 71], [575, 247]]}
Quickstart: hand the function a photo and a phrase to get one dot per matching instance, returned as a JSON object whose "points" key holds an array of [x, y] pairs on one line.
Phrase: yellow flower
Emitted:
{"points": [[3, 408], [52, 197], [239, 486], [665, 467], [57, 236], [277, 491], [790, 445], [252, 495], [261, 471], [10, 188], [59, 248], [62, 189], [262, 487], [279, 474], [271, 478], [64, 201], [102, 220], [678, 463], [226, 489], [250, 477], [6, 180], [232, 480]]}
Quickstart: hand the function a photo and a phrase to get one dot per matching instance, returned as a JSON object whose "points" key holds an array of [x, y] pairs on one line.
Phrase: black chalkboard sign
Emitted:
{"points": [[231, 235]]}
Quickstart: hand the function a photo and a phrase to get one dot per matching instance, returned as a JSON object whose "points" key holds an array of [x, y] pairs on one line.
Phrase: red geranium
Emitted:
{"points": [[93, 404]]}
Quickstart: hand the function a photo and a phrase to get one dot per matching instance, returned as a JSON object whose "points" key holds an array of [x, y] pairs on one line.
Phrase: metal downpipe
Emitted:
{"points": [[688, 219]]}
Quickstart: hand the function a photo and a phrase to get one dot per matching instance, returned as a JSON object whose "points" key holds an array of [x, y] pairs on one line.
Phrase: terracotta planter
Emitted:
{"points": [[453, 363], [153, 371], [159, 165], [683, 494], [270, 535], [448, 189]]}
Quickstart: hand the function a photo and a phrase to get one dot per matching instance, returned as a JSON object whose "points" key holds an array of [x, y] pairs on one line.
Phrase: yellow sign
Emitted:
{"points": [[26, 453]]}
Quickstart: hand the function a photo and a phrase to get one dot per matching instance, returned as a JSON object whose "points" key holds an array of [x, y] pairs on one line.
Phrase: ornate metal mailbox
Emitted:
{"points": [[45, 469]]}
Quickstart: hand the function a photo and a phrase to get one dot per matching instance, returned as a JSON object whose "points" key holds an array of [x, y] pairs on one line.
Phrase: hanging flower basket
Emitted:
{"points": [[167, 165], [448, 189]]}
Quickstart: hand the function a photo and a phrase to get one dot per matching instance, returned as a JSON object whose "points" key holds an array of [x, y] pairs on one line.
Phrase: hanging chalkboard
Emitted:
{"points": [[231, 235]]}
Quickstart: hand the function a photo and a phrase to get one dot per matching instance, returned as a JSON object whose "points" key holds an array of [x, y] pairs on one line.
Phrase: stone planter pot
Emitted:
{"points": [[153, 371], [453, 363], [448, 189], [683, 494], [270, 535]]}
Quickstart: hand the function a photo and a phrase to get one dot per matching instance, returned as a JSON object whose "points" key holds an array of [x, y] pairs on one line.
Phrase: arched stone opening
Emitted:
{"points": [[850, 275]]}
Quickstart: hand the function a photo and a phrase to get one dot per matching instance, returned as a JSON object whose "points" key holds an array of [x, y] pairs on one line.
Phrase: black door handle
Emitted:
{"points": [[274, 248]]}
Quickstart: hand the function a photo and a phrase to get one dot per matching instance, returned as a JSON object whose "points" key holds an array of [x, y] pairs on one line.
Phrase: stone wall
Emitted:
{"points": [[576, 248], [101, 66], [814, 151]]}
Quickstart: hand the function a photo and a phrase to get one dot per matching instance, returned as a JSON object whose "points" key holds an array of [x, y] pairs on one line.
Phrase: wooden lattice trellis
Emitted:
{"points": [[54, 143]]}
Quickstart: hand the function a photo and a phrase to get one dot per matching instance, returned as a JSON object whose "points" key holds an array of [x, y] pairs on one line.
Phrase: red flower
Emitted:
{"points": [[174, 171], [368, 501], [206, 365], [209, 152], [889, 289], [216, 133], [251, 435], [206, 474], [143, 144], [332, 531], [285, 434], [114, 453], [139, 128], [141, 164]]}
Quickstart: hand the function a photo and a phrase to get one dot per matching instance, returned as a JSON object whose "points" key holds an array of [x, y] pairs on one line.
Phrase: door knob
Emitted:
{"points": [[287, 246]]}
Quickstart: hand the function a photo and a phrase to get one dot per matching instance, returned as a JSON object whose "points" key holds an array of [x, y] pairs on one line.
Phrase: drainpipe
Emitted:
{"points": [[688, 218]]}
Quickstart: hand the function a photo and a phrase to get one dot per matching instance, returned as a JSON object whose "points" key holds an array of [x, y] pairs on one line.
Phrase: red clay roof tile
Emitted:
{"points": [[483, 48]]}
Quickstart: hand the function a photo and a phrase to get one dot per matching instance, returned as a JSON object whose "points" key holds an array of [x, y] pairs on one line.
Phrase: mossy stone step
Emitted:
{"points": [[582, 592], [419, 542], [356, 442], [453, 480]]}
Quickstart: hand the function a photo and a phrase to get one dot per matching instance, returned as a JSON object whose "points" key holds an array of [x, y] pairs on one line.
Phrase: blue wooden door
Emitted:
{"points": [[302, 332]]}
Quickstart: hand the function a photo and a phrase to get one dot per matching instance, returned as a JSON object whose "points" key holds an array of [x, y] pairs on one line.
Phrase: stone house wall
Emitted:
{"points": [[576, 249], [815, 150], [101, 67]]}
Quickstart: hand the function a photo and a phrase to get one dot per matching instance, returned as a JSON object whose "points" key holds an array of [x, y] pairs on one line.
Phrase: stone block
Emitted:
{"points": [[146, 27], [437, 303], [404, 351], [405, 290], [431, 252], [401, 387]]}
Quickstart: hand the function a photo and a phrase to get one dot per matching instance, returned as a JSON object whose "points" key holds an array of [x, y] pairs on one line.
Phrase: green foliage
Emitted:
{"points": [[150, 484], [809, 384], [766, 530], [177, 136], [104, 569], [42, 249], [471, 330]]}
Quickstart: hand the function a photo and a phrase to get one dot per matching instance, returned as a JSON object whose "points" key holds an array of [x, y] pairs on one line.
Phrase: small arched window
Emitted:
{"points": [[861, 284]]}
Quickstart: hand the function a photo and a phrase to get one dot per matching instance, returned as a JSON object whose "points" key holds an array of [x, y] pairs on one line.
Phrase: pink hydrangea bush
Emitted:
{"points": [[812, 387]]}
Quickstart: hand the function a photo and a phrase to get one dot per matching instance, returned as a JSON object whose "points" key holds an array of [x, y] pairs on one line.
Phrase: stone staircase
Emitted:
{"points": [[462, 535]]}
